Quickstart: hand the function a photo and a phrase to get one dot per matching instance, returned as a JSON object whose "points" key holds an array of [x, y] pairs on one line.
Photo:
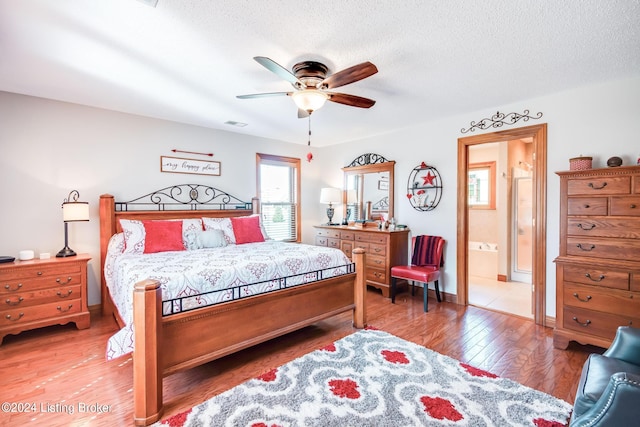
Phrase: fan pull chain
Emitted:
{"points": [[309, 142]]}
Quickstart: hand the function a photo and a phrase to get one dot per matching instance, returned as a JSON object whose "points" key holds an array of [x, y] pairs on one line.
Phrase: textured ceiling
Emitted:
{"points": [[187, 60]]}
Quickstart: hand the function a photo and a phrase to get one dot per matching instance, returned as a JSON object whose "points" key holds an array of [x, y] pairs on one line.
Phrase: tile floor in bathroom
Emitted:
{"points": [[507, 297]]}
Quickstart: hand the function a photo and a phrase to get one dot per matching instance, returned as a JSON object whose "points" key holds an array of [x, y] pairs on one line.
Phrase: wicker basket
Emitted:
{"points": [[580, 163]]}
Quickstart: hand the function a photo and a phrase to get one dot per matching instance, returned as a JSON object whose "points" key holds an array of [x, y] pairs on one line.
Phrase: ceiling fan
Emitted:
{"points": [[311, 82]]}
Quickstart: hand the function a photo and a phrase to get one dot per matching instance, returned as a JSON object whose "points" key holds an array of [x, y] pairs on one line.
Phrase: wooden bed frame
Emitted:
{"points": [[165, 345]]}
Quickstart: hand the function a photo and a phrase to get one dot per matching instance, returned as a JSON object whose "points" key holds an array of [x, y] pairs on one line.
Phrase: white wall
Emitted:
{"points": [[48, 148]]}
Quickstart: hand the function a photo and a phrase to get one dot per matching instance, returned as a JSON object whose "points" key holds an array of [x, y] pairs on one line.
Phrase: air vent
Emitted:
{"points": [[234, 123]]}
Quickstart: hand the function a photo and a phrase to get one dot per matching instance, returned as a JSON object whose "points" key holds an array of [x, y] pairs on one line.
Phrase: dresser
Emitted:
{"points": [[598, 267], [384, 249], [40, 293]]}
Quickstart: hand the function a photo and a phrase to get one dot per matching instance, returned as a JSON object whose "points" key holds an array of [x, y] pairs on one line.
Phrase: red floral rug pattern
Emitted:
{"points": [[372, 378]]}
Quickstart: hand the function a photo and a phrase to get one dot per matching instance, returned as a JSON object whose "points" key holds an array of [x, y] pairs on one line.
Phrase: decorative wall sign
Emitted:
{"points": [[190, 166], [500, 119], [424, 187]]}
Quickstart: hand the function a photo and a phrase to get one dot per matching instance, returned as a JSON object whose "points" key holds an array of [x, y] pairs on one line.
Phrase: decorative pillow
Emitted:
{"points": [[134, 233], [198, 239], [162, 236], [247, 229], [223, 224]]}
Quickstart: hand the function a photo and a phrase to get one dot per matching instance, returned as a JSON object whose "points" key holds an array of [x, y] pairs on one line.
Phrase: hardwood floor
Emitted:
{"points": [[60, 374]]}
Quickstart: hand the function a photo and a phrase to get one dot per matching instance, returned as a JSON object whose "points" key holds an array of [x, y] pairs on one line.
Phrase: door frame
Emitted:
{"points": [[538, 133]]}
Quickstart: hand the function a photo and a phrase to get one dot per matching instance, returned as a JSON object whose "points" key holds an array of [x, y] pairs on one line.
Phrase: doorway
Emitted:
{"points": [[516, 257]]}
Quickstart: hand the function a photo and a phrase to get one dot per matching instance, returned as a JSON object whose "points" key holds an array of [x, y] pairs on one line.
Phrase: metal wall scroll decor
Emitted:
{"points": [[424, 187], [190, 166], [500, 119]]}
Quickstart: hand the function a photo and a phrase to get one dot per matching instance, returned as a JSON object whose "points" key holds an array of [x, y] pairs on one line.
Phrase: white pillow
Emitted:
{"points": [[134, 233], [223, 224], [199, 239]]}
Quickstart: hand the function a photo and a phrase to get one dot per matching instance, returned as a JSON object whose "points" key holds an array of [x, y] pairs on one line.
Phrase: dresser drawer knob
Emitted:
{"points": [[604, 184], [61, 295], [575, 294], [590, 248], [39, 273], [587, 206], [60, 281], [584, 227], [599, 279], [8, 316], [632, 206], [63, 310], [9, 302], [8, 287], [585, 324]]}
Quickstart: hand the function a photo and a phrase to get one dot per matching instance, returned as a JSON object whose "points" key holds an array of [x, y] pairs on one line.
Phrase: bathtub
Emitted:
{"points": [[483, 259]]}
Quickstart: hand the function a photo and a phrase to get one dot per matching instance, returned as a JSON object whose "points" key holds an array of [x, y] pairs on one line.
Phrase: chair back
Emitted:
{"points": [[428, 250]]}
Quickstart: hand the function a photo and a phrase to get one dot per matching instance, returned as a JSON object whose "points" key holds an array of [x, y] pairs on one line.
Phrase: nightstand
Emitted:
{"points": [[40, 293]]}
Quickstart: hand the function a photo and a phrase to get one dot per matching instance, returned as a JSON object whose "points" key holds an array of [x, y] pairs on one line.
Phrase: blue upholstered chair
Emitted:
{"points": [[609, 390], [426, 260]]}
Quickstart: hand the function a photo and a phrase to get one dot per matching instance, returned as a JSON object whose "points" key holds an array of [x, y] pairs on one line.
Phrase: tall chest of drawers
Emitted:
{"points": [[40, 293], [384, 249], [598, 267]]}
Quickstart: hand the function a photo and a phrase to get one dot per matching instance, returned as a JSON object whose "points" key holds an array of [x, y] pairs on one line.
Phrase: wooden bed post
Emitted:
{"points": [[107, 229], [359, 289], [147, 363]]}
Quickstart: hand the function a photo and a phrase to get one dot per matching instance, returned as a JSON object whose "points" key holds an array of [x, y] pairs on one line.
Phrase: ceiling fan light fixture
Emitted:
{"points": [[309, 99]]}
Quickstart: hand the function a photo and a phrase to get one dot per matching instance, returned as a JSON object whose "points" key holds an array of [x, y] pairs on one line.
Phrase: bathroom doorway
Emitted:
{"points": [[516, 241]]}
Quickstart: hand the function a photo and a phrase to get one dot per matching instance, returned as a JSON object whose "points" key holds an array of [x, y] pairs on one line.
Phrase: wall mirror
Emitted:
{"points": [[482, 185], [368, 189]]}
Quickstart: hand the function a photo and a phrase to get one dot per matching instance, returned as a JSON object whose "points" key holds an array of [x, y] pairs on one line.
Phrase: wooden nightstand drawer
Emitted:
{"points": [[599, 185], [39, 296], [587, 206], [596, 277], [38, 271], [14, 286], [39, 312]]}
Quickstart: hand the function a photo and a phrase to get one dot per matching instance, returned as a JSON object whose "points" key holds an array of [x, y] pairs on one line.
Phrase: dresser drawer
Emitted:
{"points": [[596, 277], [333, 243], [377, 249], [15, 286], [597, 247], [625, 206], [347, 247], [599, 185], [587, 206], [372, 237], [361, 245], [595, 323], [628, 228], [321, 241], [376, 275], [35, 272], [602, 299], [38, 312], [376, 261], [323, 232], [635, 282], [39, 296], [347, 235]]}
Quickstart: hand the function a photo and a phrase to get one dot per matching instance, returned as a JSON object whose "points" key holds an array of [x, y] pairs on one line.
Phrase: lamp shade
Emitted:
{"points": [[330, 195], [75, 211], [309, 99]]}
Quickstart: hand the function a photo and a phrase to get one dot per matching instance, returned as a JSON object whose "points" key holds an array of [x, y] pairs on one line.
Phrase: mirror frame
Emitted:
{"points": [[382, 166]]}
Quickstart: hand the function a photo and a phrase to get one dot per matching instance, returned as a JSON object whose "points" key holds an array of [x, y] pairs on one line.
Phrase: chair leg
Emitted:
{"points": [[413, 287], [393, 290], [425, 292], [437, 291]]}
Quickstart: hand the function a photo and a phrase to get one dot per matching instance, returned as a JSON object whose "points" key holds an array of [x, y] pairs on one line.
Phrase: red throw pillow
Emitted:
{"points": [[162, 236], [247, 229]]}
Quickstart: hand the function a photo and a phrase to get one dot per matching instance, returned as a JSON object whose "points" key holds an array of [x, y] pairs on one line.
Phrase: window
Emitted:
{"points": [[482, 185], [278, 187]]}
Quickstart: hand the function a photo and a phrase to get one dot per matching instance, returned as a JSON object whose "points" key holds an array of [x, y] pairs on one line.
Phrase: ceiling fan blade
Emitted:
{"points": [[349, 75], [263, 95], [302, 114], [352, 100], [277, 69]]}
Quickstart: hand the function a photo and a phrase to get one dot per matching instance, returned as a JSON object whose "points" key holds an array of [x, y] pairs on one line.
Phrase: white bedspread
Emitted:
{"points": [[234, 271]]}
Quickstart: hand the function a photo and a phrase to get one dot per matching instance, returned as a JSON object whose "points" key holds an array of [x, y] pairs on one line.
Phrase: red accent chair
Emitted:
{"points": [[426, 260]]}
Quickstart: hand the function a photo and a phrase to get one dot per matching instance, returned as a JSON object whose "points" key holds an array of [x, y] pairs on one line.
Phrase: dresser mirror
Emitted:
{"points": [[368, 189]]}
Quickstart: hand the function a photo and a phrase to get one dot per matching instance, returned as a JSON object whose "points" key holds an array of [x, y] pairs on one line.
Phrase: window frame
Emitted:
{"points": [[490, 168], [293, 163]]}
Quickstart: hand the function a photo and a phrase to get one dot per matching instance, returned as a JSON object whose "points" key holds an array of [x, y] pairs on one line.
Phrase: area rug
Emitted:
{"points": [[372, 378]]}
